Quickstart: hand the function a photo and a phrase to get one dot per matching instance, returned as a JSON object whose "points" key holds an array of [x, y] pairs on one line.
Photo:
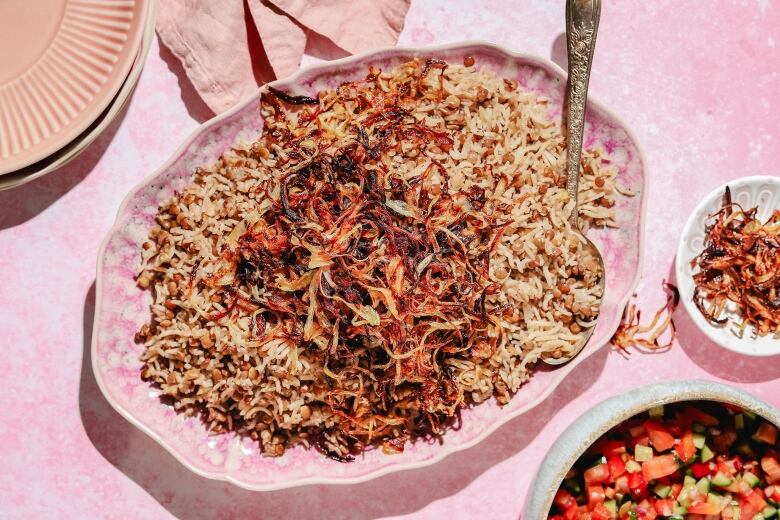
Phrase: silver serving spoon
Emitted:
{"points": [[582, 23]]}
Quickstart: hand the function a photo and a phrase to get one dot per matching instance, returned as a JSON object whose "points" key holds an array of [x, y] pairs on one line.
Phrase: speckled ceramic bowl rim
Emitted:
{"points": [[446, 450], [637, 401], [701, 323]]}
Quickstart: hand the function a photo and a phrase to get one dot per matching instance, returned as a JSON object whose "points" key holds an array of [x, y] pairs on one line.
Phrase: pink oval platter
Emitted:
{"points": [[121, 307]]}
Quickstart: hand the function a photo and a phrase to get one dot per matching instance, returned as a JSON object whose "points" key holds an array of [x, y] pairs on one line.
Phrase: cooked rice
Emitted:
{"points": [[275, 390]]}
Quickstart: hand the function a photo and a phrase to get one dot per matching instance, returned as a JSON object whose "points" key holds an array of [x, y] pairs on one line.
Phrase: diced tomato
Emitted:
{"points": [[563, 499], [700, 469], [771, 469], [700, 417], [637, 484], [600, 512], [703, 508], [750, 506], [621, 484], [756, 500], [767, 433], [616, 466], [664, 507], [645, 510], [722, 442], [773, 492], [595, 496], [660, 466], [644, 440], [659, 436], [556, 517], [609, 448], [686, 449], [597, 474], [584, 515], [725, 466], [676, 488]]}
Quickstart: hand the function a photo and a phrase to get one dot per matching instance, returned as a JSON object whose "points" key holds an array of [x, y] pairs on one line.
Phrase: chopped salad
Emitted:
{"points": [[694, 460]]}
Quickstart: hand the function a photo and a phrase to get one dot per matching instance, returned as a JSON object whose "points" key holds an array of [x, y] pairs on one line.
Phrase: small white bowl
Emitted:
{"points": [[762, 191], [606, 415]]}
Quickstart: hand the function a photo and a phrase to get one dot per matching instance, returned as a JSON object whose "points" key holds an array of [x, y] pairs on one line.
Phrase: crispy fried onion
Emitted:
{"points": [[380, 277], [740, 263], [631, 333]]}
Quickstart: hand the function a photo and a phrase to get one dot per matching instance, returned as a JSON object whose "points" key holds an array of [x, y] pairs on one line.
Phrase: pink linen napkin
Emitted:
{"points": [[229, 47]]}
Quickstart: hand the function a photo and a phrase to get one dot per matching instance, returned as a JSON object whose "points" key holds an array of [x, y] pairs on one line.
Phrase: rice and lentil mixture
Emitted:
{"points": [[380, 257]]}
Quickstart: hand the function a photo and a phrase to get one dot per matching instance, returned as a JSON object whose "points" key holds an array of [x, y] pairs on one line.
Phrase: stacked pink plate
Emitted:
{"points": [[66, 69]]}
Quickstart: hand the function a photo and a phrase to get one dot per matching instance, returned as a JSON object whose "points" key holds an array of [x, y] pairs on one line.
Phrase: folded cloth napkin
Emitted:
{"points": [[229, 47]]}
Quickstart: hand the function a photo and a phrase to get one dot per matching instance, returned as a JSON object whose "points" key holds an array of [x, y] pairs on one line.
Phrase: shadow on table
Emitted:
{"points": [[715, 359], [196, 107], [558, 52], [187, 495], [18, 205]]}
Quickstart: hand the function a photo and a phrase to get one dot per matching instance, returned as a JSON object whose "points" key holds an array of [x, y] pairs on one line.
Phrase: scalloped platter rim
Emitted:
{"points": [[121, 307]]}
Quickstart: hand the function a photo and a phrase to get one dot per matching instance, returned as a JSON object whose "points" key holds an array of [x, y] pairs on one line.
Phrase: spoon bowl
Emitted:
{"points": [[582, 23]]}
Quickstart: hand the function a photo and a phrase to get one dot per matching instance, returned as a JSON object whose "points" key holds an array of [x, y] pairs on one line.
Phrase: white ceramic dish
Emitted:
{"points": [[121, 308], [762, 191], [72, 149], [604, 416]]}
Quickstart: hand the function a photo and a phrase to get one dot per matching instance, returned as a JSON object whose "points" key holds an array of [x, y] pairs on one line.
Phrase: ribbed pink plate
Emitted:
{"points": [[61, 64]]}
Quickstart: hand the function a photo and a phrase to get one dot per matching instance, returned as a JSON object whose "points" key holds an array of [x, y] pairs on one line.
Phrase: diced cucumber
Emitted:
{"points": [[679, 510], [662, 491], [656, 411], [611, 505], [750, 478], [759, 516], [704, 485], [721, 480], [718, 500], [739, 421], [749, 414], [684, 497], [573, 486], [633, 466], [643, 453], [769, 512], [745, 449], [706, 453], [698, 440]]}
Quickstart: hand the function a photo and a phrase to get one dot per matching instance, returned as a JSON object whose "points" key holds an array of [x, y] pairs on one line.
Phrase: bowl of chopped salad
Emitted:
{"points": [[682, 449]]}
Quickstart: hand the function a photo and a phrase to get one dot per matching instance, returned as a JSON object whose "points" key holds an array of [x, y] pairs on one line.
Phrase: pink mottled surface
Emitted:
{"points": [[700, 88]]}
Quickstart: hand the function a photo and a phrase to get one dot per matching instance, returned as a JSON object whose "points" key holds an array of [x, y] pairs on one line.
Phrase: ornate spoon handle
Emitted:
{"points": [[582, 24]]}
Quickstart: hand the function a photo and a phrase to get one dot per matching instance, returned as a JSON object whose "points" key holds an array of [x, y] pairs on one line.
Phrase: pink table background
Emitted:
{"points": [[700, 87]]}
